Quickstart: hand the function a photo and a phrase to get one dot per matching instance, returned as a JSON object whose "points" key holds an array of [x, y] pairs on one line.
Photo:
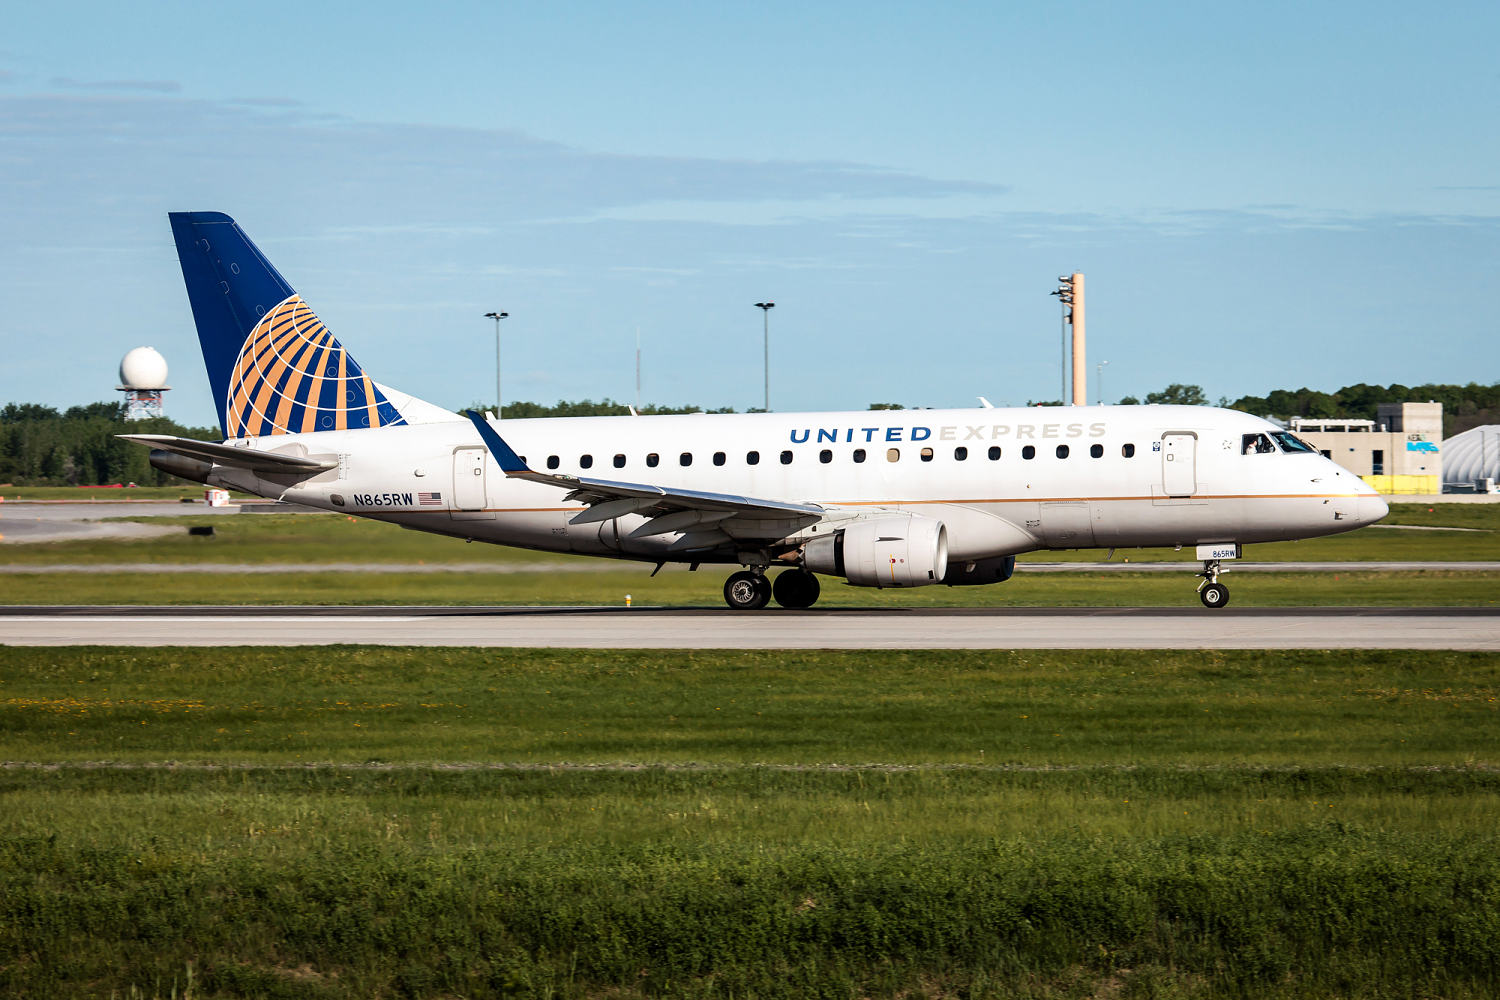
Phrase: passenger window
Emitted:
{"points": [[1256, 444], [619, 461], [752, 458], [960, 453], [1028, 452], [652, 460], [1096, 451], [825, 456], [926, 454], [994, 453], [1128, 450], [859, 454], [585, 461], [893, 454], [685, 459], [786, 458], [552, 461], [718, 458], [1062, 451]]}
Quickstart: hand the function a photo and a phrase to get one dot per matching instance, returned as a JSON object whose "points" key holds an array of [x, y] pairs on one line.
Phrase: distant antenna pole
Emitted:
{"points": [[1100, 386], [765, 310], [637, 368], [497, 317]]}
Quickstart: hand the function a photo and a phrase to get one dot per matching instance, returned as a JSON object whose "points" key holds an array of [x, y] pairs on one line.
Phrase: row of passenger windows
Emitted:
{"points": [[960, 454]]}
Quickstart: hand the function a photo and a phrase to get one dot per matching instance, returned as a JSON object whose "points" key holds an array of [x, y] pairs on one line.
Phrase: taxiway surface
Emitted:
{"points": [[705, 628]]}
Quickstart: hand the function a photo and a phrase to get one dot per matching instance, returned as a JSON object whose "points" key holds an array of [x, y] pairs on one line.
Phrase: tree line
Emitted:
{"points": [[43, 446], [1464, 406]]}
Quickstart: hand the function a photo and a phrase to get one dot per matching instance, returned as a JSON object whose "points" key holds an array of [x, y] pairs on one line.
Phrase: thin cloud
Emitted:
{"points": [[267, 102], [138, 86]]}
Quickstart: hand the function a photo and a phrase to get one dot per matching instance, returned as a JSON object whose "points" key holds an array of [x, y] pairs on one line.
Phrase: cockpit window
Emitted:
{"points": [[1293, 445], [1256, 444]]}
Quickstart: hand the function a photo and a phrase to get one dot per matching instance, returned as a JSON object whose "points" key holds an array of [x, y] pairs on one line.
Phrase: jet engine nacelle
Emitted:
{"points": [[977, 572], [900, 550]]}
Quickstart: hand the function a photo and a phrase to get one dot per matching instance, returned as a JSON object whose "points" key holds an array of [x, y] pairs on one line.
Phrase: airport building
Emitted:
{"points": [[1400, 451], [1471, 460]]}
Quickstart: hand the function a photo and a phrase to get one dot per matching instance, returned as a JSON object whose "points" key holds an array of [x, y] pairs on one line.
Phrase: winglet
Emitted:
{"points": [[510, 462]]}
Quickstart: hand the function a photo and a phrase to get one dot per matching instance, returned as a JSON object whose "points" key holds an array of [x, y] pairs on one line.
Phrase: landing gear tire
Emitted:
{"points": [[1215, 595], [796, 588], [746, 591]]}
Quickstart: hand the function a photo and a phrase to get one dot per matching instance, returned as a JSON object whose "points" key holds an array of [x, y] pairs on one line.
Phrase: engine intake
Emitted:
{"points": [[899, 550]]}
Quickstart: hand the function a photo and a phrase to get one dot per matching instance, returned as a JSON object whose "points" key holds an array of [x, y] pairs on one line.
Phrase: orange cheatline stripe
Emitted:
{"points": [[911, 503]]}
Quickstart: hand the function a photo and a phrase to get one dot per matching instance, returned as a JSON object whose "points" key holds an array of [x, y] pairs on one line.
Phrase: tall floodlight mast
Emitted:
{"points": [[1070, 293]]}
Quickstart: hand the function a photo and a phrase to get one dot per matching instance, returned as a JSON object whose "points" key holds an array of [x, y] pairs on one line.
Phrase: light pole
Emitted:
{"points": [[497, 317], [765, 311], [1099, 380]]}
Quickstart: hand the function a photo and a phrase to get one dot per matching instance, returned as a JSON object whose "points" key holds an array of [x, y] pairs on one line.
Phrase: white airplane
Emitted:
{"points": [[897, 498]]}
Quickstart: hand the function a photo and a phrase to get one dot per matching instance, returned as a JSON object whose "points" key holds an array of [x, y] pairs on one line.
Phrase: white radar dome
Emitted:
{"points": [[143, 368]]}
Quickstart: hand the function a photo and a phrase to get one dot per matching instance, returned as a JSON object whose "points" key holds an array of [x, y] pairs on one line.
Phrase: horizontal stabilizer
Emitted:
{"points": [[239, 458]]}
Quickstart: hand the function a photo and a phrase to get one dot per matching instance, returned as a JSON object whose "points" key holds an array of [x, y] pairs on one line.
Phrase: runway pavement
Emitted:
{"points": [[705, 628]]}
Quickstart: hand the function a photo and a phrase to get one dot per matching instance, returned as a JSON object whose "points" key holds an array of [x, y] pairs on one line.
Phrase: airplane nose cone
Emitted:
{"points": [[1372, 507]]}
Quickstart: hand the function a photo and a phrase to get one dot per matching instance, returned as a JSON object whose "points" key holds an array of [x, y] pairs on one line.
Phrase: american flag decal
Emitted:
{"points": [[430, 499]]}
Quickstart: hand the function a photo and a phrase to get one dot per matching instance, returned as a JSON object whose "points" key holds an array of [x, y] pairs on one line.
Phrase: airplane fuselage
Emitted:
{"points": [[1003, 481]]}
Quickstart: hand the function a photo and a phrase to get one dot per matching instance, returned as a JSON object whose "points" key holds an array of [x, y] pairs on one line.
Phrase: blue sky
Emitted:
{"points": [[1261, 196]]}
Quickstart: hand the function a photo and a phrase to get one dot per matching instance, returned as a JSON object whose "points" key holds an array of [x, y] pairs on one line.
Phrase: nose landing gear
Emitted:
{"points": [[1211, 592]]}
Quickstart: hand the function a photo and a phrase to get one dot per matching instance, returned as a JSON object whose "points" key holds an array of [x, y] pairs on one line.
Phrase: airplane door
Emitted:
{"points": [[469, 492], [1179, 463]]}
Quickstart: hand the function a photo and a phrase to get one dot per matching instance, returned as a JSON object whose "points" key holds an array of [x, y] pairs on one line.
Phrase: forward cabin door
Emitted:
{"points": [[469, 492], [1179, 463]]}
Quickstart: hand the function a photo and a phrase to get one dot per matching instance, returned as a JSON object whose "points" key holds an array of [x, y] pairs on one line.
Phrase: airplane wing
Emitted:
{"points": [[693, 512], [239, 458]]}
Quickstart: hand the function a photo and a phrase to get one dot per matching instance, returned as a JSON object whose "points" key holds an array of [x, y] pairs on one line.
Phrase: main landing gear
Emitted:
{"points": [[751, 590], [1211, 592], [747, 590]]}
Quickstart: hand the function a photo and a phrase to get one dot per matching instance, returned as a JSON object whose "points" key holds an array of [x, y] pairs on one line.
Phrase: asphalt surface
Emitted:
{"points": [[707, 628]]}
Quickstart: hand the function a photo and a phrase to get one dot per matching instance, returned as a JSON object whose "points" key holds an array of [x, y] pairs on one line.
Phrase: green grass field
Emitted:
{"points": [[353, 822]]}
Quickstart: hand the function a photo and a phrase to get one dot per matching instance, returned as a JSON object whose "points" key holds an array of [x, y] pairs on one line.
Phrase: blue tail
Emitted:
{"points": [[274, 368]]}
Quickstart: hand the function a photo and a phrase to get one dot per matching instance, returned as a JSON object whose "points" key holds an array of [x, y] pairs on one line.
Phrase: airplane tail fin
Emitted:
{"points": [[274, 367]]}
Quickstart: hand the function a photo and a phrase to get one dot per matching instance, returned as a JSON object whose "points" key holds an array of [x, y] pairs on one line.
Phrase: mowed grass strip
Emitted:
{"points": [[1046, 825], [1043, 825], [848, 707]]}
